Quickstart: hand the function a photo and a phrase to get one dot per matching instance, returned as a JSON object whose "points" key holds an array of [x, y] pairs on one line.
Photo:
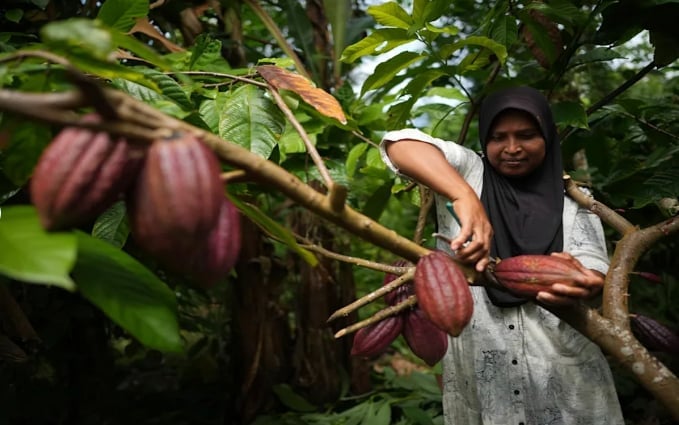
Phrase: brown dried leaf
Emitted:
{"points": [[321, 100]]}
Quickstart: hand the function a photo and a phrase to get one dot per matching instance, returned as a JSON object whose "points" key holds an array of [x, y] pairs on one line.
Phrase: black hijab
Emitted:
{"points": [[526, 212]]}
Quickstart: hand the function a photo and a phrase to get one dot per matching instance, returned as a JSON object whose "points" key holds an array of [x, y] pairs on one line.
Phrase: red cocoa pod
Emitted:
{"points": [[402, 292], [443, 293], [176, 200], [374, 339], [526, 275], [80, 174], [654, 335], [219, 254], [425, 339]]}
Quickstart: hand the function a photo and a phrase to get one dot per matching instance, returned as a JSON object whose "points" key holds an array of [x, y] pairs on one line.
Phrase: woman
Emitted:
{"points": [[515, 363]]}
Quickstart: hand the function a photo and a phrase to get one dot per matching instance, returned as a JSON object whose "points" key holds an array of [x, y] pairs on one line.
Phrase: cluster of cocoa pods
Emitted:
{"points": [[176, 201], [444, 307]]}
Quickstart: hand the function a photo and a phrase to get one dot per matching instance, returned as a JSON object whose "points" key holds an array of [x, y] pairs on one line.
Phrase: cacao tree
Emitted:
{"points": [[275, 91]]}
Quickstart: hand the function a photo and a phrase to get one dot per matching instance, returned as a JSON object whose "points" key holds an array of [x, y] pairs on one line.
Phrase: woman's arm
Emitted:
{"points": [[426, 164]]}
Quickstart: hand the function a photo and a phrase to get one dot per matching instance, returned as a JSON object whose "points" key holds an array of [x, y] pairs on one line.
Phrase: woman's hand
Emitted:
{"points": [[427, 164], [588, 285], [472, 244]]}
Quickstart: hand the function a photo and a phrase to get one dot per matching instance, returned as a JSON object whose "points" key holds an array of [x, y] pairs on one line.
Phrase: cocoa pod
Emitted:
{"points": [[80, 174], [374, 339], [425, 339], [443, 293], [654, 335], [220, 252], [526, 275], [176, 200], [399, 294]]}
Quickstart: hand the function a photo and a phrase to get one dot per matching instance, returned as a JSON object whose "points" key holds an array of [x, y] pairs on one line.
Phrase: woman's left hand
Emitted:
{"points": [[588, 285]]}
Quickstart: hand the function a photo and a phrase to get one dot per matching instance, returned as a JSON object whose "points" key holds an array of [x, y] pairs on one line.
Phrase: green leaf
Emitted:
{"points": [[597, 54], [417, 416], [391, 14], [505, 30], [354, 156], [277, 231], [382, 415], [112, 225], [27, 142], [31, 254], [128, 293], [291, 399], [79, 35], [432, 10], [122, 14], [14, 15], [129, 42], [571, 114], [498, 49], [376, 204], [379, 41], [385, 71], [168, 87], [206, 55], [252, 120]]}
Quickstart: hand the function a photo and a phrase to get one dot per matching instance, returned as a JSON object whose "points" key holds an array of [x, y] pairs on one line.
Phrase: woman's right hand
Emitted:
{"points": [[427, 164], [472, 244]]}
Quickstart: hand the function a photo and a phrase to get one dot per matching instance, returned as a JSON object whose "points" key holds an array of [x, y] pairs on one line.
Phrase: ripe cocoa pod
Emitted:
{"points": [[654, 335], [402, 292], [443, 293], [526, 275], [176, 200], [425, 339], [374, 339], [80, 174], [220, 252]]}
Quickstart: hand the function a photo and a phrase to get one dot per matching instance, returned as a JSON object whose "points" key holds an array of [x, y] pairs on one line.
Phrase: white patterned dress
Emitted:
{"points": [[522, 365]]}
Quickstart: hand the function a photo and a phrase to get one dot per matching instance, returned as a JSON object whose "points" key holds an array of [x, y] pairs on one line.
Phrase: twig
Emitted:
{"points": [[344, 311], [354, 260], [311, 149], [380, 315]]}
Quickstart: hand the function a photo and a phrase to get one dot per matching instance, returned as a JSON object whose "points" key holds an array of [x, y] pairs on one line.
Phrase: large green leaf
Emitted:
{"points": [[498, 49], [385, 71], [129, 293], [122, 14], [30, 254], [79, 36], [391, 14], [251, 119], [571, 114], [379, 41], [276, 230]]}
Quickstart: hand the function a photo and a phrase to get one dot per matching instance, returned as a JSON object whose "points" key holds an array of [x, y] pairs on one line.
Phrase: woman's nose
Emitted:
{"points": [[512, 146]]}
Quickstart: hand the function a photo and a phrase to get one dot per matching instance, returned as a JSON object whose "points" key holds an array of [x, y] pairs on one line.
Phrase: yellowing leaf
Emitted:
{"points": [[321, 100]]}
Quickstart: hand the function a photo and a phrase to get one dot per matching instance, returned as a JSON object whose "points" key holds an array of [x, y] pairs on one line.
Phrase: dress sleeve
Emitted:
{"points": [[466, 161], [584, 237]]}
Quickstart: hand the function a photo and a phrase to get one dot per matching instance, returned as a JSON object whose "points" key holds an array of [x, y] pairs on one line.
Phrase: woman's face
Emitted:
{"points": [[515, 145]]}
